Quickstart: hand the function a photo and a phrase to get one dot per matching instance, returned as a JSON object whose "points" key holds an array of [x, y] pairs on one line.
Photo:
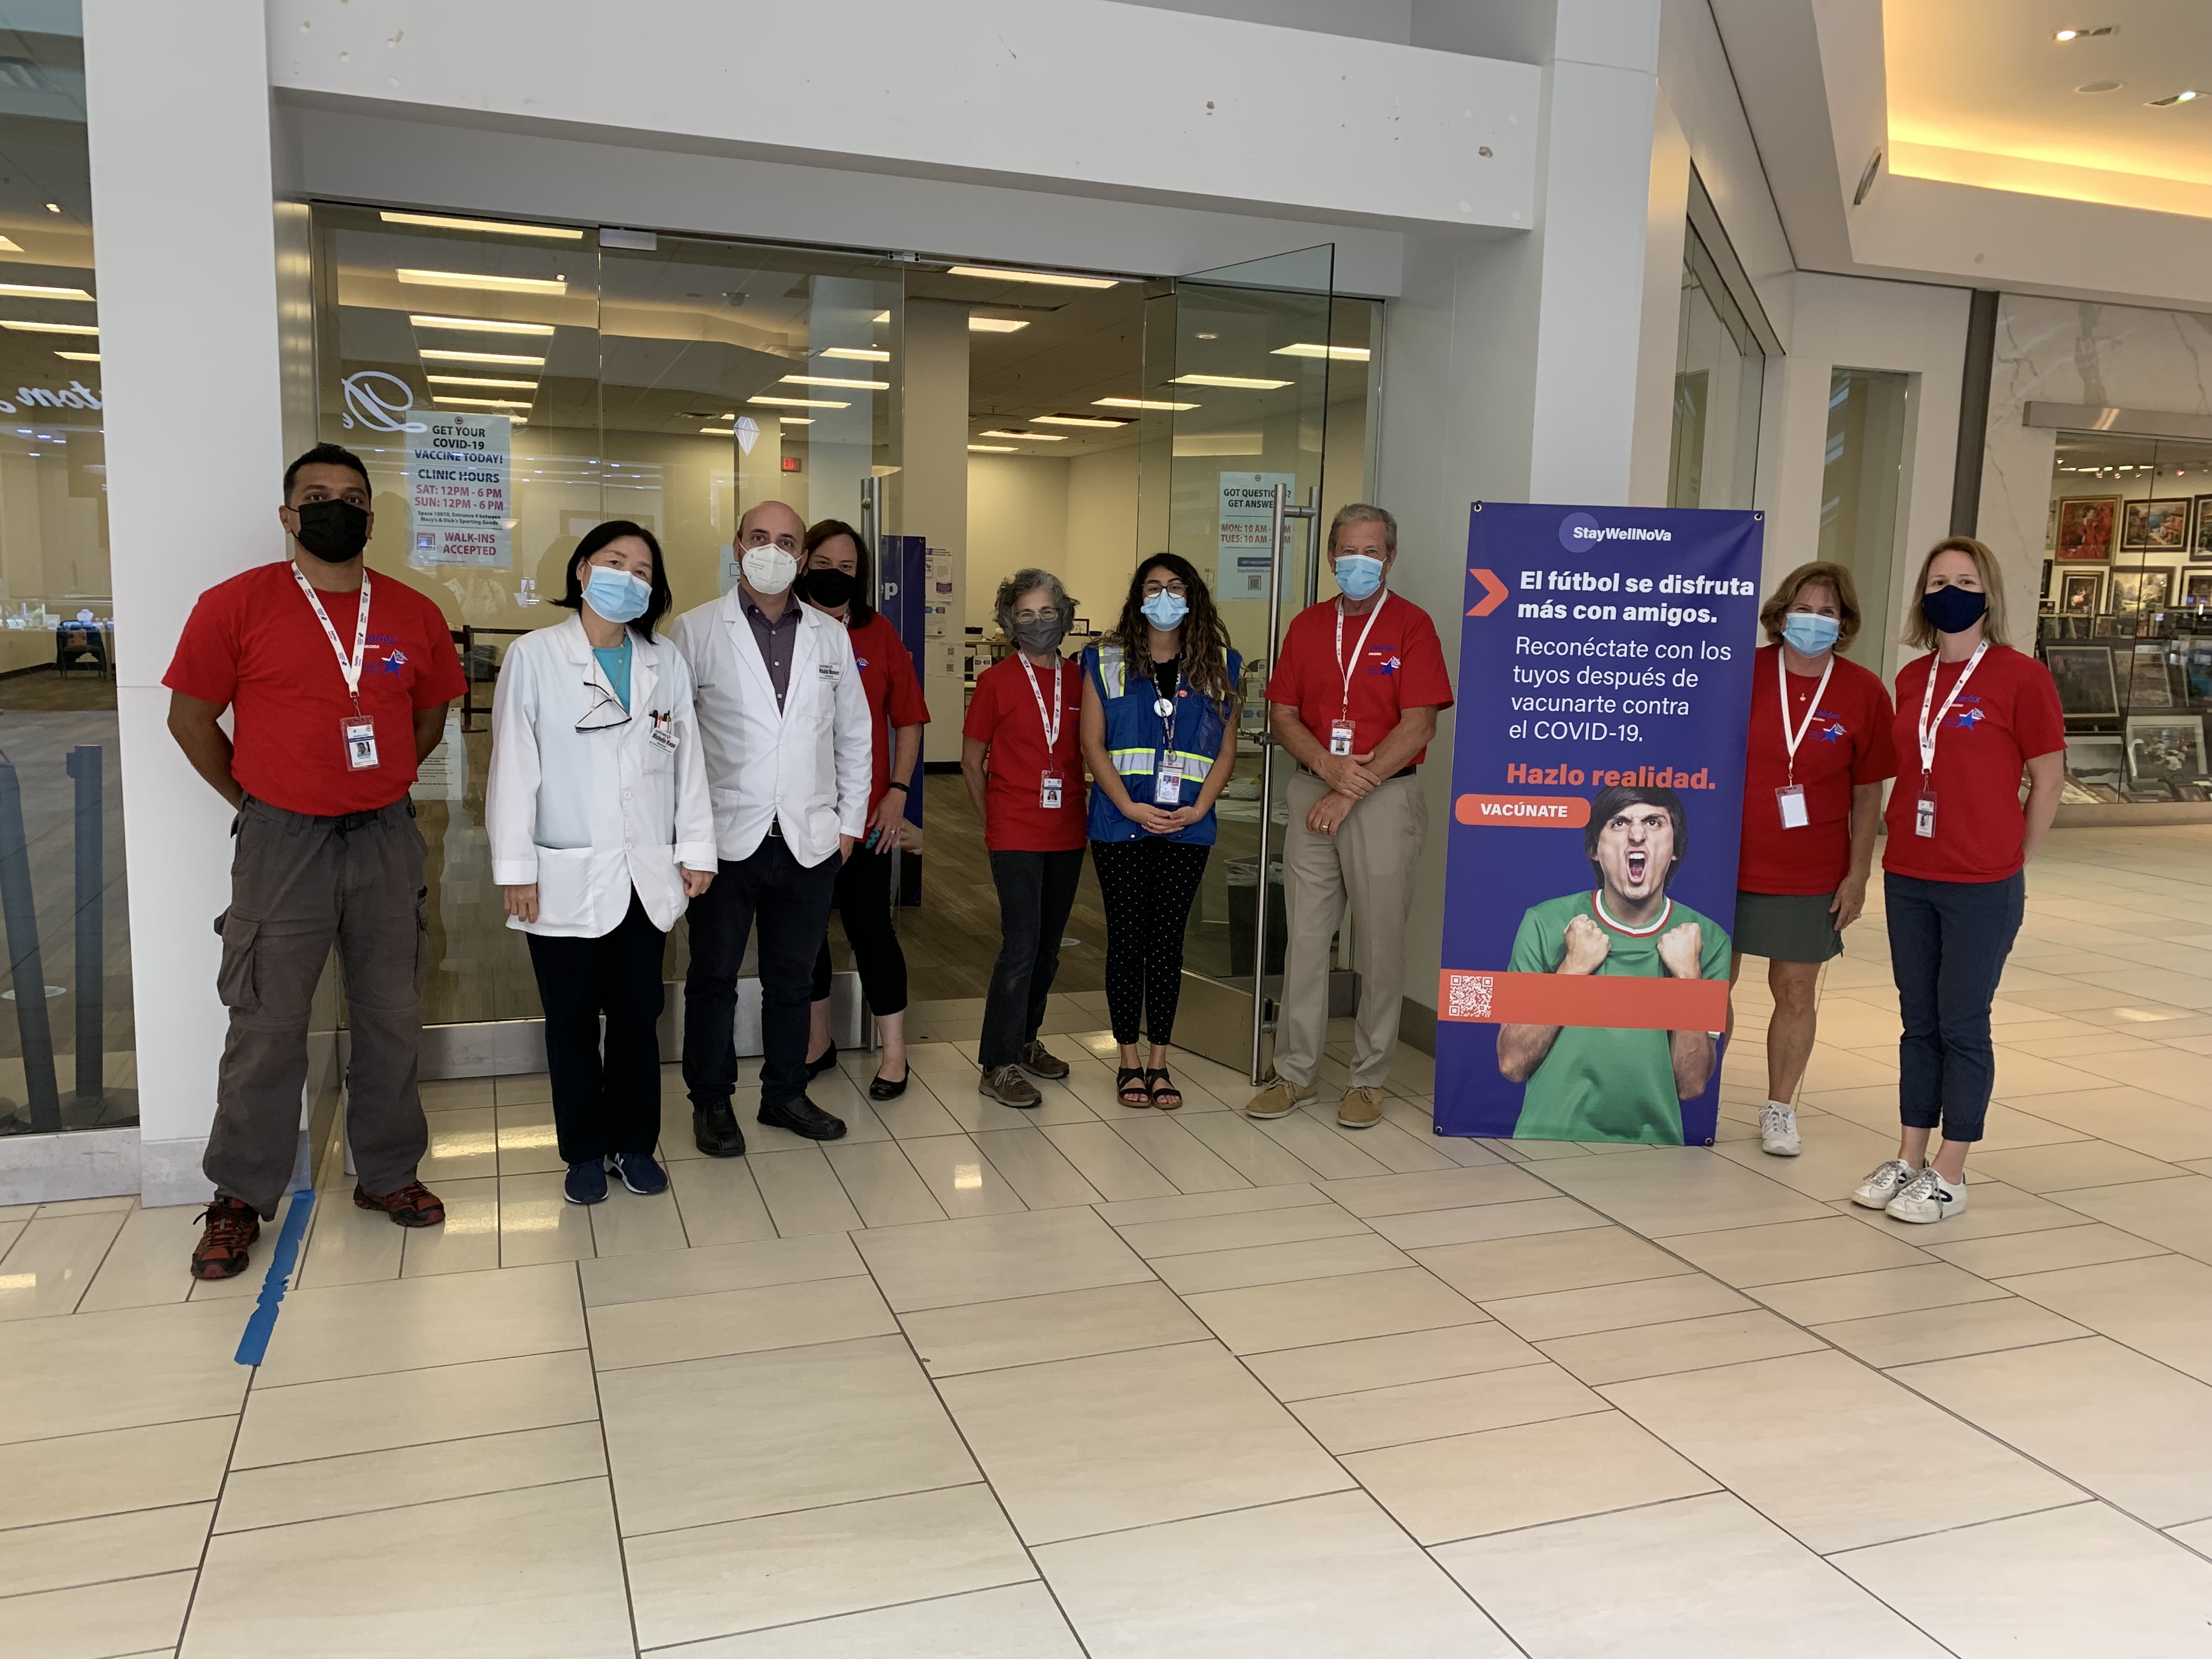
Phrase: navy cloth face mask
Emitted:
{"points": [[1953, 610]]}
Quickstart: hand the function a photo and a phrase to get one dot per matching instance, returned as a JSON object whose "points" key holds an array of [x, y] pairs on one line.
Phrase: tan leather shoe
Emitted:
{"points": [[1009, 1087], [1278, 1099], [1360, 1109]]}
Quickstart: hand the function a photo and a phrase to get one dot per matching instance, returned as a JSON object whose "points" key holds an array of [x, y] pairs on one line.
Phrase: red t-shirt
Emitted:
{"points": [[1003, 714], [2007, 714], [252, 643], [1401, 667], [894, 693], [1846, 744]]}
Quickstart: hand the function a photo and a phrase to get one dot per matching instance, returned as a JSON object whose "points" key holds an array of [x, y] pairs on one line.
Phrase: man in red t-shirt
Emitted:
{"points": [[1355, 693], [337, 684]]}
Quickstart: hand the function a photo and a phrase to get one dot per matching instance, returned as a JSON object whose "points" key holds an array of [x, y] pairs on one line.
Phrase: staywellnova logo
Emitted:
{"points": [[1579, 533]]}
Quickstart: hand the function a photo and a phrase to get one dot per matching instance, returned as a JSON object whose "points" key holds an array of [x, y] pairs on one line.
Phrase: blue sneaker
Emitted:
{"points": [[586, 1184], [640, 1173]]}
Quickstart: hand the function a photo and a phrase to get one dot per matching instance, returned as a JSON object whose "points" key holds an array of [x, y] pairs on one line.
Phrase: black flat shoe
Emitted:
{"points": [[827, 1063], [882, 1088], [1129, 1077], [802, 1117], [714, 1130]]}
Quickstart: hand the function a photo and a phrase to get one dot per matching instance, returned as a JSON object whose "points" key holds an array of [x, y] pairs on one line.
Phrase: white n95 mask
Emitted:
{"points": [[769, 568]]}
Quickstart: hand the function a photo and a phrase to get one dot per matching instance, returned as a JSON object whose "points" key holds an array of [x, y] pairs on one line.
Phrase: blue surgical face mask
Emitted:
{"points": [[1165, 609], [1358, 574], [616, 594], [1811, 634]]}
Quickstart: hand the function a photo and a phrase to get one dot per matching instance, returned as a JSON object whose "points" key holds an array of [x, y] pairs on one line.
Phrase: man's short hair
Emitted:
{"points": [[1615, 798], [1365, 512], [327, 455]]}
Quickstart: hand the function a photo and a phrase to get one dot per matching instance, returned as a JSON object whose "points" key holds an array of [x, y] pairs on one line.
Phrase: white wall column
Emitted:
{"points": [[184, 223]]}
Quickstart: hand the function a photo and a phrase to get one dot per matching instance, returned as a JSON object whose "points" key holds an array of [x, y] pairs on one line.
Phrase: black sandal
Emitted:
{"points": [[1160, 1082], [1124, 1078]]}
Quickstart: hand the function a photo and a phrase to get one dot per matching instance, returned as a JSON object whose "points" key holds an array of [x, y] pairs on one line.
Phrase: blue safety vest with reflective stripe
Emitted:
{"points": [[1136, 738]]}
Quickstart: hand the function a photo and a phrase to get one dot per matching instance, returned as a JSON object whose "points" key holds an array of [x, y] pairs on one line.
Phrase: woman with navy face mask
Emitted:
{"points": [[1159, 736], [602, 833], [1819, 750]]}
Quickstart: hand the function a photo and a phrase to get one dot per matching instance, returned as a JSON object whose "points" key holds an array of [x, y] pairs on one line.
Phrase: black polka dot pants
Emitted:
{"points": [[1148, 886]]}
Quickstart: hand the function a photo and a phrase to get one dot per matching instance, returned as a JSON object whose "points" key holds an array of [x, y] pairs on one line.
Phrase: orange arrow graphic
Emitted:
{"points": [[1494, 592]]}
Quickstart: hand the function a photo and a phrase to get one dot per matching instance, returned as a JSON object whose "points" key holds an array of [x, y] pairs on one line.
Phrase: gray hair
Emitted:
{"points": [[1027, 581], [1364, 512]]}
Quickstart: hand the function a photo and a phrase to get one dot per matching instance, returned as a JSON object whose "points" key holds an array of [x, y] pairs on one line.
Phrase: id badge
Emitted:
{"points": [[664, 733], [1167, 782], [1339, 736], [1790, 797], [359, 734], [1923, 814], [1049, 792]]}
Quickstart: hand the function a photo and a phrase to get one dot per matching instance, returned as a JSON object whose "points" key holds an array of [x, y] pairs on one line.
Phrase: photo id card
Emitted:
{"points": [[1790, 797], [664, 732], [1167, 782], [359, 733], [1049, 792], [1339, 736], [1923, 814]]}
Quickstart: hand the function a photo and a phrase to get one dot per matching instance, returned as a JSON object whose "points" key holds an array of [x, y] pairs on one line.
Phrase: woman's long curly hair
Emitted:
{"points": [[1205, 641]]}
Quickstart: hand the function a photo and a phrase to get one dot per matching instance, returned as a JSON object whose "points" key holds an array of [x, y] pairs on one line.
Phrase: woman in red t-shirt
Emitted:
{"points": [[835, 575], [1817, 752], [1021, 754], [1970, 716]]}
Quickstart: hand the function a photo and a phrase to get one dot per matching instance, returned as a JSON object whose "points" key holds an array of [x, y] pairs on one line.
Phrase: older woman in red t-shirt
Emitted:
{"points": [[1820, 747]]}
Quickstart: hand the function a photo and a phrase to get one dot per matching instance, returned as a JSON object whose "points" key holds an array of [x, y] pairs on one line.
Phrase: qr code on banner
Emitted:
{"points": [[1468, 997]]}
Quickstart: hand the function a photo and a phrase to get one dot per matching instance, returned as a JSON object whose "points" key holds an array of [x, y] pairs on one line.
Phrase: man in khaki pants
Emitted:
{"points": [[1354, 699]]}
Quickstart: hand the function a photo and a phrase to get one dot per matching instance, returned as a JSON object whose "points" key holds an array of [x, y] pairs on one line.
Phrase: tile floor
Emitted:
{"points": [[982, 1384]]}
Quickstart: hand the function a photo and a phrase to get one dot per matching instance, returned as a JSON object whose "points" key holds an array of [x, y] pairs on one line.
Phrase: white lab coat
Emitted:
{"points": [[808, 769], [588, 816]]}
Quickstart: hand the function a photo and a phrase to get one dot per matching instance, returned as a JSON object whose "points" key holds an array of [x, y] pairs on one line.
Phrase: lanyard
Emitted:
{"points": [[1790, 739], [1344, 668], [351, 669], [1927, 698], [1051, 721]]}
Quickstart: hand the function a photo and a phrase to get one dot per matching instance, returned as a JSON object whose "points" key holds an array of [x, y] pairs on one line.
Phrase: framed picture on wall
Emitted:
{"points": [[2086, 525], [2084, 676], [2134, 593], [2079, 592], [2164, 747], [2200, 539], [2196, 588], [2160, 527], [2149, 685]]}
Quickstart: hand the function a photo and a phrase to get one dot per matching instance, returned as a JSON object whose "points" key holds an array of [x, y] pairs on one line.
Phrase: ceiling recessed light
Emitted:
{"points": [[798, 402], [995, 325], [79, 356], [1206, 337], [832, 380], [2085, 34], [1074, 420], [1233, 382], [1050, 278], [473, 379], [1137, 402], [992, 449], [10, 245], [31, 291], [492, 226], [1040, 437], [483, 402], [52, 328], [471, 279], [796, 420], [855, 354], [720, 431], [2099, 85], [53, 206], [2188, 95], [514, 359], [482, 325], [881, 316], [1335, 352]]}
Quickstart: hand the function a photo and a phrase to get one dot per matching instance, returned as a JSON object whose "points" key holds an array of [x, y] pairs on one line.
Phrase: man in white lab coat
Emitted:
{"points": [[783, 720]]}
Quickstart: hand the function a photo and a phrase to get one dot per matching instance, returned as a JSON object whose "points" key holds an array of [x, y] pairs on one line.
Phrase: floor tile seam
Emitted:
{"points": [[107, 1250], [415, 1504], [1605, 1408], [607, 1453], [222, 1492], [1264, 1244], [628, 1538], [676, 1649], [7, 1533], [1207, 1340], [411, 1446], [1352, 1394], [438, 1365], [2090, 1333], [2093, 1501], [1716, 1490], [102, 1583], [591, 1308]]}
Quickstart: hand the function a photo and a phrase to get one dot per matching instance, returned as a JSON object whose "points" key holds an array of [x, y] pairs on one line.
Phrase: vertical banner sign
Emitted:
{"points": [[1248, 507], [1597, 796], [458, 487]]}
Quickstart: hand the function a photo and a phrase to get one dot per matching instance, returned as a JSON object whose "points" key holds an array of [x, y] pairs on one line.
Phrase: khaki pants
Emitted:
{"points": [[1371, 860], [299, 885]]}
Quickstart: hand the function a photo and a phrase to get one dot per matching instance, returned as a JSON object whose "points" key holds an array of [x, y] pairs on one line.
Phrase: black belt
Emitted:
{"points": [[1402, 771]]}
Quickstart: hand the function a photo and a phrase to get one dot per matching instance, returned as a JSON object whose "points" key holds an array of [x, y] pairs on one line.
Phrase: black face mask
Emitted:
{"points": [[827, 587], [333, 530], [1953, 610]]}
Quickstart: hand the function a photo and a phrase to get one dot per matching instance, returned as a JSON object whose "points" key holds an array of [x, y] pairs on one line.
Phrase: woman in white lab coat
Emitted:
{"points": [[601, 833]]}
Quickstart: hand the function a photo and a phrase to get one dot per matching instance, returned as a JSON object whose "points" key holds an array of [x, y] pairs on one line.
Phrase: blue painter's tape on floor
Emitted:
{"points": [[255, 1342]]}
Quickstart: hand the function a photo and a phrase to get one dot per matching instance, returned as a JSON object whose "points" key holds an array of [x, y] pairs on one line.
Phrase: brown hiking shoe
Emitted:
{"points": [[412, 1205], [1360, 1109], [1039, 1062], [1009, 1087], [233, 1224], [1278, 1099]]}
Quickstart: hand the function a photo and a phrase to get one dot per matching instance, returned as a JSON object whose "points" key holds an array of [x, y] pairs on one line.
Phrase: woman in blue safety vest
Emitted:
{"points": [[1159, 736]]}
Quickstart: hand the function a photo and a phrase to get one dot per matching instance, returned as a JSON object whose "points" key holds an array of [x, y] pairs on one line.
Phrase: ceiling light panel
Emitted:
{"points": [[832, 380], [472, 279], [51, 328], [491, 227], [799, 403], [855, 354], [483, 402], [1075, 420], [31, 291], [482, 325], [993, 449], [519, 359], [720, 431], [1137, 402], [1231, 382], [79, 356], [1334, 353], [1039, 437], [2187, 95], [1049, 278], [478, 380], [996, 324]]}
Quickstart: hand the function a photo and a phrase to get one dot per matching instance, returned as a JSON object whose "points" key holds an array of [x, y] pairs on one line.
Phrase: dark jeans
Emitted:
{"points": [[792, 901], [1147, 887], [609, 1104], [299, 885], [1035, 892], [864, 900], [1947, 945]]}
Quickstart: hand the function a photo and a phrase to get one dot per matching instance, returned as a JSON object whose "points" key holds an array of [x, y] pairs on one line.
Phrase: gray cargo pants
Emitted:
{"points": [[299, 884]]}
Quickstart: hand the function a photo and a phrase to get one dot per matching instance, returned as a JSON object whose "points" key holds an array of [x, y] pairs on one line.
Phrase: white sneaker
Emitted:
{"points": [[1928, 1197], [1885, 1183], [1778, 1130]]}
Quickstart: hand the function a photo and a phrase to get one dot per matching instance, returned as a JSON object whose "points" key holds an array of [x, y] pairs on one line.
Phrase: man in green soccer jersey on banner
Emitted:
{"points": [[1598, 1083]]}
